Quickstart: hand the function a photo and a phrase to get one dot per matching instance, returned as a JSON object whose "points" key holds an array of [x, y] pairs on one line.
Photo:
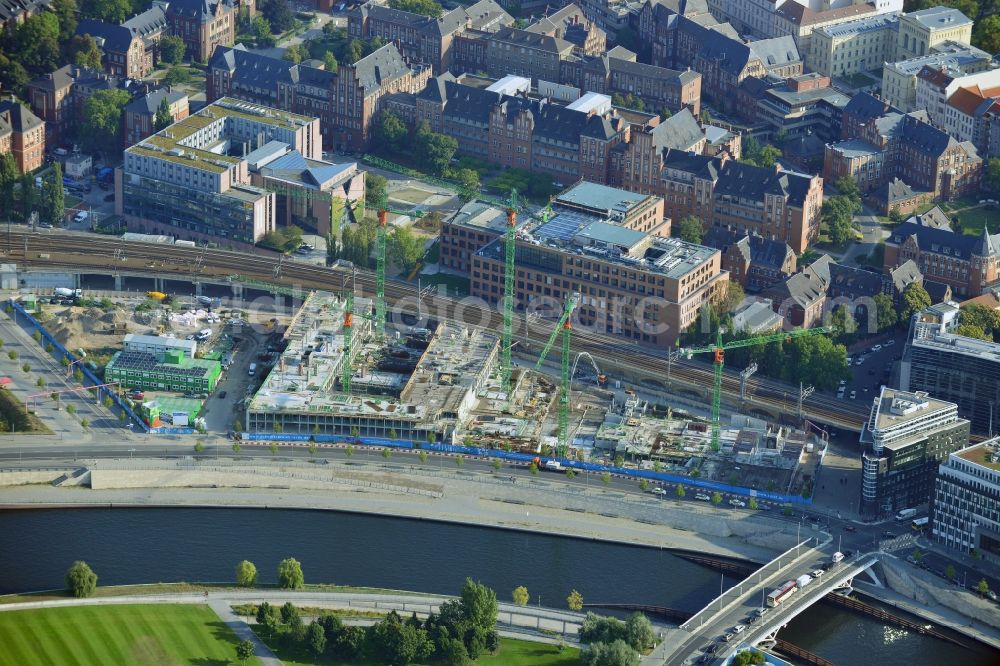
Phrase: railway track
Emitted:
{"points": [[108, 255]]}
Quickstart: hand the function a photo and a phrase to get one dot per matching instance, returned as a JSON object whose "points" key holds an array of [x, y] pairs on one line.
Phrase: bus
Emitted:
{"points": [[782, 593], [253, 369], [920, 523]]}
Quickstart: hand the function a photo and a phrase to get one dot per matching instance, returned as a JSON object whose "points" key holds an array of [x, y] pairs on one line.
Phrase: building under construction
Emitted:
{"points": [[422, 385]]}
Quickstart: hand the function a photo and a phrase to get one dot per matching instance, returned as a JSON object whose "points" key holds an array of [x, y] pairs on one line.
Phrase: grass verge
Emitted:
{"points": [[128, 634]]}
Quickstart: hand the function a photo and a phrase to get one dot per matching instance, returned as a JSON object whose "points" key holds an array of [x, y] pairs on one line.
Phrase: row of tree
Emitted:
{"points": [[839, 211]]}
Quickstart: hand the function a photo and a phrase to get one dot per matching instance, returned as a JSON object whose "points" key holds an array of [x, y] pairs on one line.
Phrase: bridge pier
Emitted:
{"points": [[237, 291], [158, 284], [197, 288], [118, 283]]}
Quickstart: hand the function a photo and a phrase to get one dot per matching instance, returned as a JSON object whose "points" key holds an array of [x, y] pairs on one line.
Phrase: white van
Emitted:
{"points": [[838, 557]]}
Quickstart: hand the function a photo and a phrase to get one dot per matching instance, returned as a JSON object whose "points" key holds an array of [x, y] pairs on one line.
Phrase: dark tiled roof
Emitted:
{"points": [[473, 104], [642, 69], [116, 38], [149, 104], [731, 55], [530, 39], [754, 248], [203, 10], [753, 182], [251, 68], [856, 281], [55, 80], [904, 275], [12, 8], [938, 291], [679, 132], [776, 52], [380, 67], [924, 136], [865, 106], [934, 240], [20, 118], [486, 14], [151, 21]]}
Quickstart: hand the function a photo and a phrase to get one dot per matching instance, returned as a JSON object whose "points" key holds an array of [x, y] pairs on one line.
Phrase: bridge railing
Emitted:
{"points": [[734, 593]]}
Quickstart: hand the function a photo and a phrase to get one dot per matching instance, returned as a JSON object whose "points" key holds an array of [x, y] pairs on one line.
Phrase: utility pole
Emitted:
{"points": [[804, 392], [745, 374]]}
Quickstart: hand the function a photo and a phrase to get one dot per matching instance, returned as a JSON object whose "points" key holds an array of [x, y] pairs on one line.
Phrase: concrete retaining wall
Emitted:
{"points": [[11, 478], [927, 588]]}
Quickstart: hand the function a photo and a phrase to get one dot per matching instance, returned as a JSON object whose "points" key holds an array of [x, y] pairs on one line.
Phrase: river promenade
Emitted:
{"points": [[473, 498]]}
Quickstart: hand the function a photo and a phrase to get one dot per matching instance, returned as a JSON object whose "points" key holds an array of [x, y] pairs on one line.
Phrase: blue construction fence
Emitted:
{"points": [[527, 458], [89, 378]]}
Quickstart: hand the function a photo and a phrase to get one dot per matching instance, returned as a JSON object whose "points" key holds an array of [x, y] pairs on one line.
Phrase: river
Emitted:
{"points": [[180, 544]]}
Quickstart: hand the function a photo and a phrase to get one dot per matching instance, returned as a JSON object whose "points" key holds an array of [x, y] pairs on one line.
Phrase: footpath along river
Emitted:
{"points": [[194, 544]]}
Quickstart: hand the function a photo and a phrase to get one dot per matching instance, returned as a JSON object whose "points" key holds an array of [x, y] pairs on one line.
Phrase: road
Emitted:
{"points": [[68, 250]]}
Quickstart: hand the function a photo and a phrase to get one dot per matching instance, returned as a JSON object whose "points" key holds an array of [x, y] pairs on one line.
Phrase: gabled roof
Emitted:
{"points": [[945, 241], [903, 276], [55, 80], [533, 40], [680, 132], [380, 67], [110, 37], [203, 10], [755, 248], [486, 14], [731, 55], [776, 52], [934, 218], [18, 117], [856, 281], [924, 136], [12, 8], [866, 106], [149, 104], [151, 21], [801, 15], [250, 68]]}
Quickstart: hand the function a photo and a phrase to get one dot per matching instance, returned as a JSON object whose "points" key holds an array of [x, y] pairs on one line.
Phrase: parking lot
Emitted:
{"points": [[870, 369]]}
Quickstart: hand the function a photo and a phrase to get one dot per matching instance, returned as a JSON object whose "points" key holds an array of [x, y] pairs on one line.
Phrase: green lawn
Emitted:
{"points": [[142, 635], [512, 653], [973, 219]]}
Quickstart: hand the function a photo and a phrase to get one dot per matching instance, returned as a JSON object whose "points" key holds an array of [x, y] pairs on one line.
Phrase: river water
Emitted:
{"points": [[151, 545]]}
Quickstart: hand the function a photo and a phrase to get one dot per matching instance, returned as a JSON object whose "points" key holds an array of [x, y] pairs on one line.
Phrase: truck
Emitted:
{"points": [[66, 292], [906, 514], [553, 465], [803, 580]]}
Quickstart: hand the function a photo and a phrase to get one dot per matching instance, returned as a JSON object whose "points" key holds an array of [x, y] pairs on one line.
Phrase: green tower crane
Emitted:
{"points": [[382, 210], [564, 326], [346, 367], [719, 351], [508, 296]]}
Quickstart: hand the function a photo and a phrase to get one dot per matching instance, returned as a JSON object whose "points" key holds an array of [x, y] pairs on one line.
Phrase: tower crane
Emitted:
{"points": [[509, 243], [564, 326], [383, 209], [719, 352]]}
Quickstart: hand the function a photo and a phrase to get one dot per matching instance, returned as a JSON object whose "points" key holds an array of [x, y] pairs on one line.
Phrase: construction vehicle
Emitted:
{"points": [[718, 350], [156, 295]]}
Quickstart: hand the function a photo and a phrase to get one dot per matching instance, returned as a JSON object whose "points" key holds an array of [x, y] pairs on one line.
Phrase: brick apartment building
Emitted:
{"points": [[970, 265], [770, 203], [203, 24], [755, 262], [345, 100], [422, 38], [513, 130], [140, 113], [22, 133], [124, 52]]}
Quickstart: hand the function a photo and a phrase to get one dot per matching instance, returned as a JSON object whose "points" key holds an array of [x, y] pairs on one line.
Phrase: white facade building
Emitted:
{"points": [[966, 509]]}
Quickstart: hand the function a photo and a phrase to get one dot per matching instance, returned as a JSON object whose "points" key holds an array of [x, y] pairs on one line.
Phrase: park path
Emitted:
{"points": [[243, 631]]}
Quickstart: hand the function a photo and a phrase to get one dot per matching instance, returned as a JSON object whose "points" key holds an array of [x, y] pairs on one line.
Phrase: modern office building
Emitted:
{"points": [[966, 510], [192, 179], [632, 284], [169, 371], [907, 436], [963, 370]]}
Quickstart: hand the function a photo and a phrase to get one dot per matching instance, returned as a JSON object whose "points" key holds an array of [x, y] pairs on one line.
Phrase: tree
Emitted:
{"points": [[109, 11], [843, 320], [172, 49], [915, 299], [405, 249], [246, 574], [36, 43], [289, 613], [984, 318], [376, 189], [917, 555], [8, 177], [716, 498], [82, 51], [520, 595], [422, 456], [606, 478], [244, 651], [973, 331], [679, 491], [81, 581], [13, 75], [85, 422], [459, 461], [768, 155], [390, 131], [987, 33], [316, 638], [982, 587], [885, 312], [163, 116], [290, 574], [394, 642], [617, 653], [40, 383], [53, 199], [690, 229], [178, 75], [574, 601], [643, 485], [425, 7], [433, 150], [468, 181], [729, 297], [330, 61], [278, 13], [261, 29], [102, 118], [354, 51], [949, 572], [639, 631], [479, 604], [752, 504], [65, 11]]}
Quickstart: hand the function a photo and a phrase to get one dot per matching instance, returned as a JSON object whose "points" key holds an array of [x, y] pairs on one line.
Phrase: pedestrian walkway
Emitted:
{"points": [[243, 631]]}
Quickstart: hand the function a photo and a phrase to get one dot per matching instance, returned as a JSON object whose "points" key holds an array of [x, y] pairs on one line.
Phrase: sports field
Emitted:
{"points": [[140, 635]]}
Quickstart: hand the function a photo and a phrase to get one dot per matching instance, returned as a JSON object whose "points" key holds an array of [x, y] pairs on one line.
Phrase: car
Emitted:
{"points": [[222, 395], [850, 528], [658, 491], [739, 629], [817, 573], [738, 503], [876, 348], [45, 225], [81, 216], [854, 395], [843, 382], [860, 360], [889, 343], [136, 395], [728, 637], [850, 361], [703, 497], [992, 595], [761, 612]]}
